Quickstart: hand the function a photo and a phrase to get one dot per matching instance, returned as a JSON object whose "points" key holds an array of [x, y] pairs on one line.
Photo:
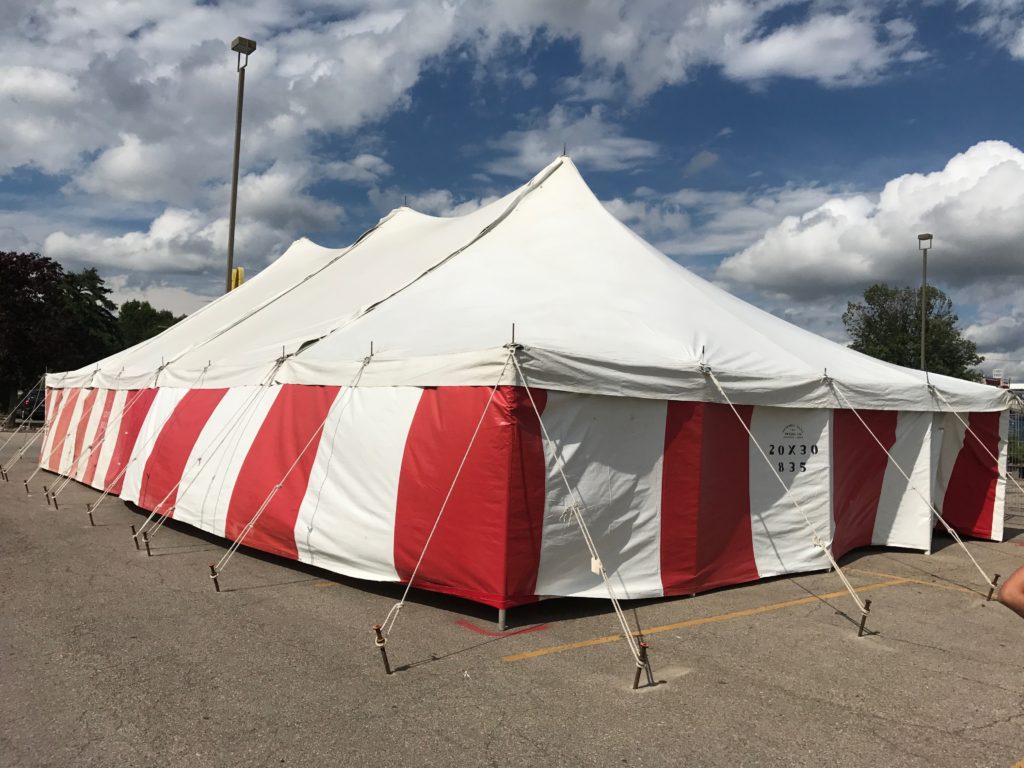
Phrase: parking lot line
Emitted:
{"points": [[894, 582], [951, 587]]}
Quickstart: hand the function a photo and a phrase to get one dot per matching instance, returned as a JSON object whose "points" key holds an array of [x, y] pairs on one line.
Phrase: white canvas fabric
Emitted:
{"points": [[904, 517], [346, 521], [597, 310]]}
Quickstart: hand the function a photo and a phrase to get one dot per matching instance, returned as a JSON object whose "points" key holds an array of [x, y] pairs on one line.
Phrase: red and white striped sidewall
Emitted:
{"points": [[678, 498]]}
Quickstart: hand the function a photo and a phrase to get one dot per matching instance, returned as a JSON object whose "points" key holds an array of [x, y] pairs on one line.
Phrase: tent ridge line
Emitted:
{"points": [[529, 188]]}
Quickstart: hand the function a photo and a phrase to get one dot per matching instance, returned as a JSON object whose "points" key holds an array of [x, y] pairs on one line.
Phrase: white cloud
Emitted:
{"points": [[436, 202], [701, 162], [1001, 21], [695, 225], [589, 139], [193, 240], [133, 103], [362, 169], [972, 206], [835, 50]]}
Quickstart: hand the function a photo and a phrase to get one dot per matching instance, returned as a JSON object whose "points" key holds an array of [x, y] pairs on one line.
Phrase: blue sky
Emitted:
{"points": [[790, 151]]}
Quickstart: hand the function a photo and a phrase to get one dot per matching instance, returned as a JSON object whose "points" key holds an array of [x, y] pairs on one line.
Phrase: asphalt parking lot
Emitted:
{"points": [[112, 658]]}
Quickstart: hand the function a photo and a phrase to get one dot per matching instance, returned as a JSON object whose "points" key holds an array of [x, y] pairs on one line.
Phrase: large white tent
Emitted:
{"points": [[331, 407]]}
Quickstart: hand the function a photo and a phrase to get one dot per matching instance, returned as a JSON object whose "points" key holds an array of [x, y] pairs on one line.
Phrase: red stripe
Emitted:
{"points": [[706, 537], [971, 495], [487, 544], [60, 434], [858, 467], [83, 425], [295, 417], [99, 438], [136, 405], [166, 463]]}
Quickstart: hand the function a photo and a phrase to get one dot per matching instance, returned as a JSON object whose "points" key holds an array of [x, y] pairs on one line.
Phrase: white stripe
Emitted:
{"points": [[67, 451], [164, 403], [903, 518], [952, 442], [999, 511], [797, 443], [215, 460], [90, 433], [612, 449], [110, 436], [346, 521]]}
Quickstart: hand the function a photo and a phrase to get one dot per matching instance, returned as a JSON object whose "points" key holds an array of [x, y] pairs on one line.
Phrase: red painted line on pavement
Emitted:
{"points": [[507, 633]]}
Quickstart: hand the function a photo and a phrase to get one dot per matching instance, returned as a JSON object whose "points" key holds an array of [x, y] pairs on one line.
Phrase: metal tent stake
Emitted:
{"points": [[864, 618], [380, 641], [644, 665], [145, 540], [88, 511], [992, 589], [135, 537], [213, 574]]}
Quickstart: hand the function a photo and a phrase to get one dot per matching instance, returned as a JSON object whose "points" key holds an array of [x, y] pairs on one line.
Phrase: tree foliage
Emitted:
{"points": [[53, 320], [887, 325], [140, 320]]}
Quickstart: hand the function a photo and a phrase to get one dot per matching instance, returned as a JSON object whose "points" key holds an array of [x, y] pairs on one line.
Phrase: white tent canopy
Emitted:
{"points": [[597, 309]]}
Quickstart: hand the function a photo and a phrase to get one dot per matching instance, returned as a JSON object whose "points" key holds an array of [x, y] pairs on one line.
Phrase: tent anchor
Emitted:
{"points": [[213, 569], [54, 497], [864, 618], [145, 540], [644, 665], [135, 537], [991, 589], [46, 494], [27, 492], [502, 620], [380, 641]]}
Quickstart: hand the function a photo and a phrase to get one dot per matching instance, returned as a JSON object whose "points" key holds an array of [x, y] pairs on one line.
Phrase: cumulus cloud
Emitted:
{"points": [[701, 162], [847, 242], [192, 240], [697, 225], [1001, 21], [588, 137], [836, 50], [131, 104]]}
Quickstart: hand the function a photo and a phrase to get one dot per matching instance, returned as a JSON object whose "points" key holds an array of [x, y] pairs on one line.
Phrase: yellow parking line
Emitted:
{"points": [[951, 587], [894, 582]]}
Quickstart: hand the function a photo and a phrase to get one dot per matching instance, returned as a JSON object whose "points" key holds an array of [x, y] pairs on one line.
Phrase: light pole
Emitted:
{"points": [[924, 242], [243, 47]]}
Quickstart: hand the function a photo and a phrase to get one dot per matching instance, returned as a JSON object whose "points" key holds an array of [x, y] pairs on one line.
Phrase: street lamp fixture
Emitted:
{"points": [[924, 243], [243, 46]]}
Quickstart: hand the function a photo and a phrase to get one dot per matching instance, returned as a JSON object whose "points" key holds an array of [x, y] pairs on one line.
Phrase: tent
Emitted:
{"points": [[520, 367]]}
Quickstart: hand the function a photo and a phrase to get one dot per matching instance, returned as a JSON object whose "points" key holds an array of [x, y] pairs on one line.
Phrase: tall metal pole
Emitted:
{"points": [[234, 175], [243, 47], [924, 303], [924, 242]]}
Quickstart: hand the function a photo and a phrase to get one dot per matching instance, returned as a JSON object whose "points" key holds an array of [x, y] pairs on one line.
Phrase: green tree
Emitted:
{"points": [[31, 295], [887, 325], [140, 320], [91, 331], [50, 320]]}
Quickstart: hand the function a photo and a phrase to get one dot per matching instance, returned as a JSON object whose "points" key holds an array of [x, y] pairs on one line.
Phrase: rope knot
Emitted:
{"points": [[704, 368], [569, 512]]}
